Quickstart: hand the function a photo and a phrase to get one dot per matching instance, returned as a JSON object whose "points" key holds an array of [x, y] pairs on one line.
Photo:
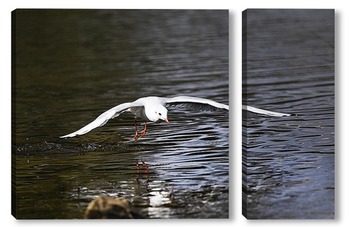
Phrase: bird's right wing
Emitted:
{"points": [[103, 118]]}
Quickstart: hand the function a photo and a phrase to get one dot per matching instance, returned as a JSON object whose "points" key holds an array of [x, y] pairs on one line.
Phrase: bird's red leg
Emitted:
{"points": [[136, 136], [143, 132]]}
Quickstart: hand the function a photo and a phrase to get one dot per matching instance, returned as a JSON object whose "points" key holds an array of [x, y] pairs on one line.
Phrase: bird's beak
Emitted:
{"points": [[166, 120]]}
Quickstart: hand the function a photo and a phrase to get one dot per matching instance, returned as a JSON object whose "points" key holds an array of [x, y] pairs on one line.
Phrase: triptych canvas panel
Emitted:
{"points": [[125, 114], [288, 67]]}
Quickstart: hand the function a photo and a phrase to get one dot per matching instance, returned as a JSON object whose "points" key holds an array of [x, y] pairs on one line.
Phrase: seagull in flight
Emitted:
{"points": [[153, 109]]}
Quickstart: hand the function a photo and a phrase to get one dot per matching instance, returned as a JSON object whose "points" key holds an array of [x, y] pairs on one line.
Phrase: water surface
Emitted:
{"points": [[288, 163]]}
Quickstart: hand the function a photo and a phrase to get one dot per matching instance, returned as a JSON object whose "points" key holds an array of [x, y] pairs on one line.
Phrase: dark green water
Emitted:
{"points": [[72, 65]]}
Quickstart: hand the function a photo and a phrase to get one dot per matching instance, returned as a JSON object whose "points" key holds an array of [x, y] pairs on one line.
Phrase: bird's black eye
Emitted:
{"points": [[160, 114]]}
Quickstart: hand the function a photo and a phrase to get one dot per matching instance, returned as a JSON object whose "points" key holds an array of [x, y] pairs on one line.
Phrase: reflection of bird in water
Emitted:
{"points": [[110, 208], [152, 109]]}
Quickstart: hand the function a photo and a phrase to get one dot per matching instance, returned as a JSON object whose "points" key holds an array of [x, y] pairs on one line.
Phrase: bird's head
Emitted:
{"points": [[159, 113]]}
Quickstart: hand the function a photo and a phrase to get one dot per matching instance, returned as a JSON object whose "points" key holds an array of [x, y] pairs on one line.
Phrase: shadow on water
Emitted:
{"points": [[289, 162], [74, 65]]}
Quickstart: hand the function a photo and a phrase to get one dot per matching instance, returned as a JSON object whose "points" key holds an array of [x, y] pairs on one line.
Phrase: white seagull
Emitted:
{"points": [[153, 109]]}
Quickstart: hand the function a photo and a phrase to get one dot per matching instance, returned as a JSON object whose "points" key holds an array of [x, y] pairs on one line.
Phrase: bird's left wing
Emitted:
{"points": [[103, 118], [194, 103], [264, 112]]}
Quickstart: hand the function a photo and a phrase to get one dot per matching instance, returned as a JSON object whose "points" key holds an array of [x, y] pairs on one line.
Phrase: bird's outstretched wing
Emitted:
{"points": [[103, 118], [194, 103], [265, 112]]}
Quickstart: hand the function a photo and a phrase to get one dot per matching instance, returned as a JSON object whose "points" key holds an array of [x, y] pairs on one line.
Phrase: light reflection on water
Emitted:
{"points": [[76, 65]]}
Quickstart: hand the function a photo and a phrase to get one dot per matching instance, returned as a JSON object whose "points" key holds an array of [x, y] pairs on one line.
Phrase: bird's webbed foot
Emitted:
{"points": [[143, 132]]}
